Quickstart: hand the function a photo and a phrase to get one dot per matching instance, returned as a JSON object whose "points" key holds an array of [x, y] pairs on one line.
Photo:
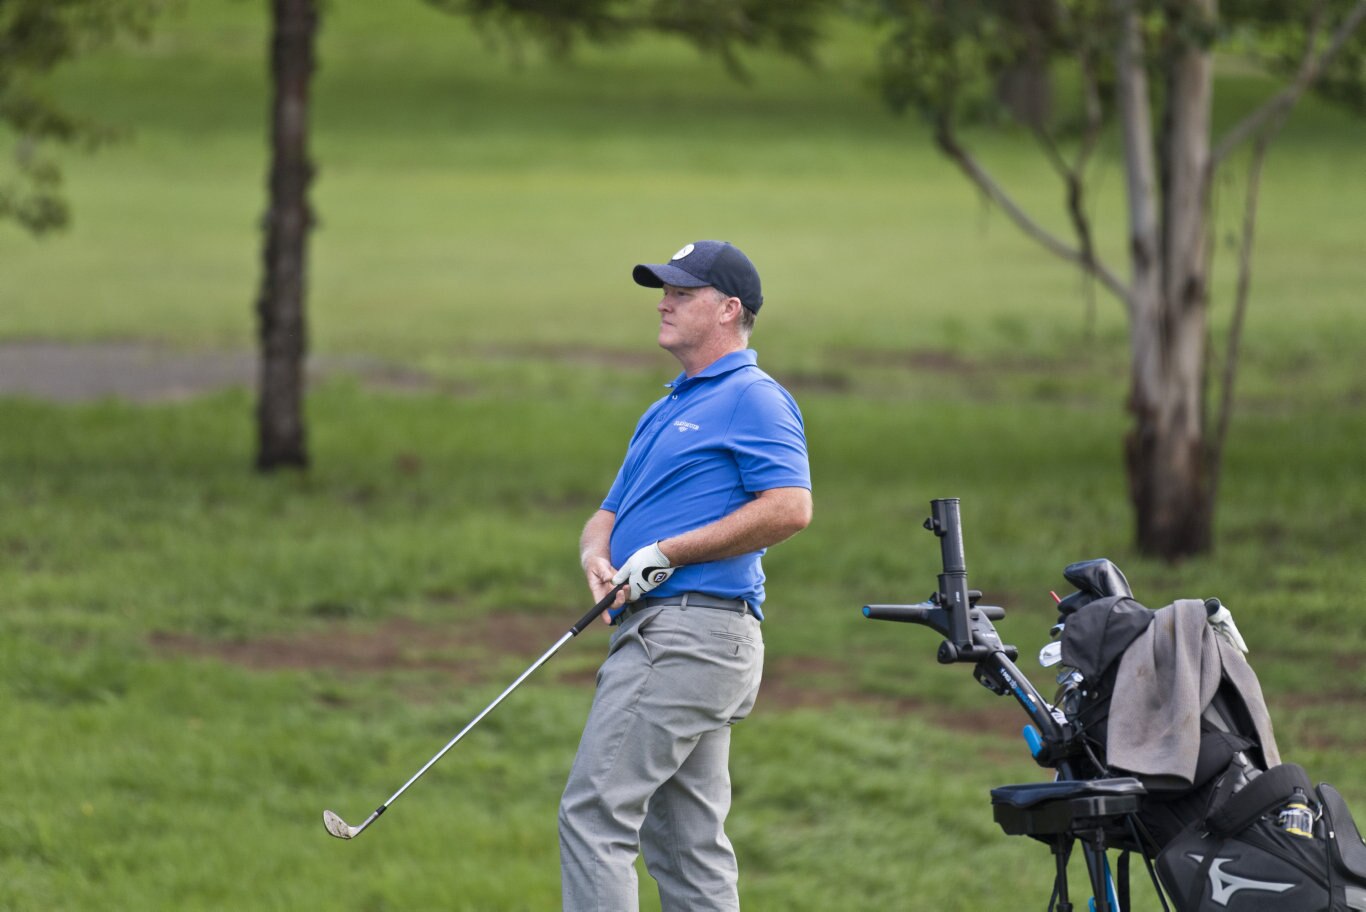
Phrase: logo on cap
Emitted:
{"points": [[687, 249]]}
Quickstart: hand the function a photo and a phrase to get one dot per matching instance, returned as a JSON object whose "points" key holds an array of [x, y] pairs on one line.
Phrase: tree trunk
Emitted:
{"points": [[1165, 450], [279, 413]]}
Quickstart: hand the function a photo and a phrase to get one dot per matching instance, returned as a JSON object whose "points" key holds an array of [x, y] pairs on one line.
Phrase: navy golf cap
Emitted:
{"points": [[719, 264]]}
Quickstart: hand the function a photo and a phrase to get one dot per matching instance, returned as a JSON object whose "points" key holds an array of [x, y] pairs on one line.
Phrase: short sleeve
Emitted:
{"points": [[768, 439]]}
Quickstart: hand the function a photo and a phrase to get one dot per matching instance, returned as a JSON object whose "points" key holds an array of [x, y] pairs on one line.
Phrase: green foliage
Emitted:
{"points": [[717, 27], [1276, 34], [959, 60], [37, 36], [956, 60]]}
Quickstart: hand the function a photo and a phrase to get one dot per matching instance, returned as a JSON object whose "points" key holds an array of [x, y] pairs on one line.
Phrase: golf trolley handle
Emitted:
{"points": [[952, 596], [952, 610], [995, 669], [969, 635]]}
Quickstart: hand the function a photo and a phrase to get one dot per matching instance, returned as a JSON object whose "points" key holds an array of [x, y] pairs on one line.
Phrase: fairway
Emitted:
{"points": [[195, 661]]}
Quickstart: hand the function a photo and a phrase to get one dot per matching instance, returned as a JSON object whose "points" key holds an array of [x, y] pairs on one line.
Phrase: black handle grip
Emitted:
{"points": [[919, 614], [907, 614], [597, 609]]}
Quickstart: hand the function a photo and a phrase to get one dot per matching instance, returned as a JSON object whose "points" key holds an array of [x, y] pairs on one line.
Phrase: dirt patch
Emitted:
{"points": [[808, 682], [470, 652], [477, 651], [467, 652], [399, 644]]}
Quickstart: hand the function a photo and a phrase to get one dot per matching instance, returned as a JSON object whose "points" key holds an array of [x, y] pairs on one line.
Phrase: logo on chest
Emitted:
{"points": [[685, 426]]}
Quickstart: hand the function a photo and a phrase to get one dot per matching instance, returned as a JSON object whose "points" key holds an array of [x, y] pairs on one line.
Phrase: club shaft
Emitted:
{"points": [[475, 721], [569, 635]]}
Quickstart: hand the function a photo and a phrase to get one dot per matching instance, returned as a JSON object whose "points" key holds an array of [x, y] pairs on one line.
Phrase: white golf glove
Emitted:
{"points": [[645, 569]]}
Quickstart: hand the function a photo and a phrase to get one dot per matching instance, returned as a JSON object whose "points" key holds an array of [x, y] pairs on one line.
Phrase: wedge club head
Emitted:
{"points": [[338, 827]]}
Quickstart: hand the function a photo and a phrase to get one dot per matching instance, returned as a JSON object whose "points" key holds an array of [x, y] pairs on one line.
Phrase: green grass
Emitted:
{"points": [[170, 782], [477, 221]]}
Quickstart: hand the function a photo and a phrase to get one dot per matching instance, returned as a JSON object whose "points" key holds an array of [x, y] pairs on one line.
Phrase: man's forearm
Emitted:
{"points": [[774, 516], [596, 540], [595, 556]]}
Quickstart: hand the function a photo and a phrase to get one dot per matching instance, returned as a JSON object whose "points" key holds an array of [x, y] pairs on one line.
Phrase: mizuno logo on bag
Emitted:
{"points": [[1223, 885]]}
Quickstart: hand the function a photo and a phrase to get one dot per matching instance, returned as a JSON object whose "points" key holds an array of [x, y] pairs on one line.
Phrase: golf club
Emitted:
{"points": [[342, 830]]}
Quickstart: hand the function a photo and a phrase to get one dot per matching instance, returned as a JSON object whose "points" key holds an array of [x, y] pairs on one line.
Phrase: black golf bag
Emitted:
{"points": [[1232, 828], [1247, 857]]}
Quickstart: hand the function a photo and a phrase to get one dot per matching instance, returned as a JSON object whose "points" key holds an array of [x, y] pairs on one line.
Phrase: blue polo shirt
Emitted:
{"points": [[700, 453]]}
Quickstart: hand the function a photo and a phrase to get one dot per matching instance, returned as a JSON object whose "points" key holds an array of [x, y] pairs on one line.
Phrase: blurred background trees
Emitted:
{"points": [[1148, 68], [1077, 74]]}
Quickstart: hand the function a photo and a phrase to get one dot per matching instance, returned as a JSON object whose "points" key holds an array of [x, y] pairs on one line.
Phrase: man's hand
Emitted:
{"points": [[595, 556], [645, 570]]}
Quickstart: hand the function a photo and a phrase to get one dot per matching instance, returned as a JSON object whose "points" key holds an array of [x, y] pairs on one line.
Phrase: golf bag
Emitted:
{"points": [[1167, 697], [1252, 854]]}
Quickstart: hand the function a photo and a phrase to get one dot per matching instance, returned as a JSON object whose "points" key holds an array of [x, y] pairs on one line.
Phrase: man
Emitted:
{"points": [[715, 473]]}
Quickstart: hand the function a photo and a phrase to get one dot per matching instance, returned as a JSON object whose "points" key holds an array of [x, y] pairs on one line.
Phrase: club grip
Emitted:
{"points": [[597, 609]]}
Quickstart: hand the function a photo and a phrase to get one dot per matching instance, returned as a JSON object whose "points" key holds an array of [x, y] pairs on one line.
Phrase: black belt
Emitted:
{"points": [[686, 600]]}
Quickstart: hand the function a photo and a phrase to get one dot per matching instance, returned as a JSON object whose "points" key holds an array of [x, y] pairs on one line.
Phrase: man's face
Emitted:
{"points": [[688, 318]]}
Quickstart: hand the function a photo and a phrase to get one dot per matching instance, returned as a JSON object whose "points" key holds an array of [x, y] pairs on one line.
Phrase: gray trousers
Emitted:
{"points": [[651, 775]]}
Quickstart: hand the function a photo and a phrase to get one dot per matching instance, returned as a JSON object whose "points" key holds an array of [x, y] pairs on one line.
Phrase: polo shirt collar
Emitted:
{"points": [[745, 357]]}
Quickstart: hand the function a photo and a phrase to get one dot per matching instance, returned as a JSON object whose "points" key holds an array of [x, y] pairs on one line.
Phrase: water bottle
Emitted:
{"points": [[1296, 818]]}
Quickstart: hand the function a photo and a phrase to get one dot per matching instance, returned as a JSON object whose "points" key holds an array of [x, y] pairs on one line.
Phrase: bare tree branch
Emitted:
{"points": [[1095, 117], [1283, 101], [1071, 174], [1235, 332], [949, 144], [1052, 152], [1090, 93], [1090, 139]]}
